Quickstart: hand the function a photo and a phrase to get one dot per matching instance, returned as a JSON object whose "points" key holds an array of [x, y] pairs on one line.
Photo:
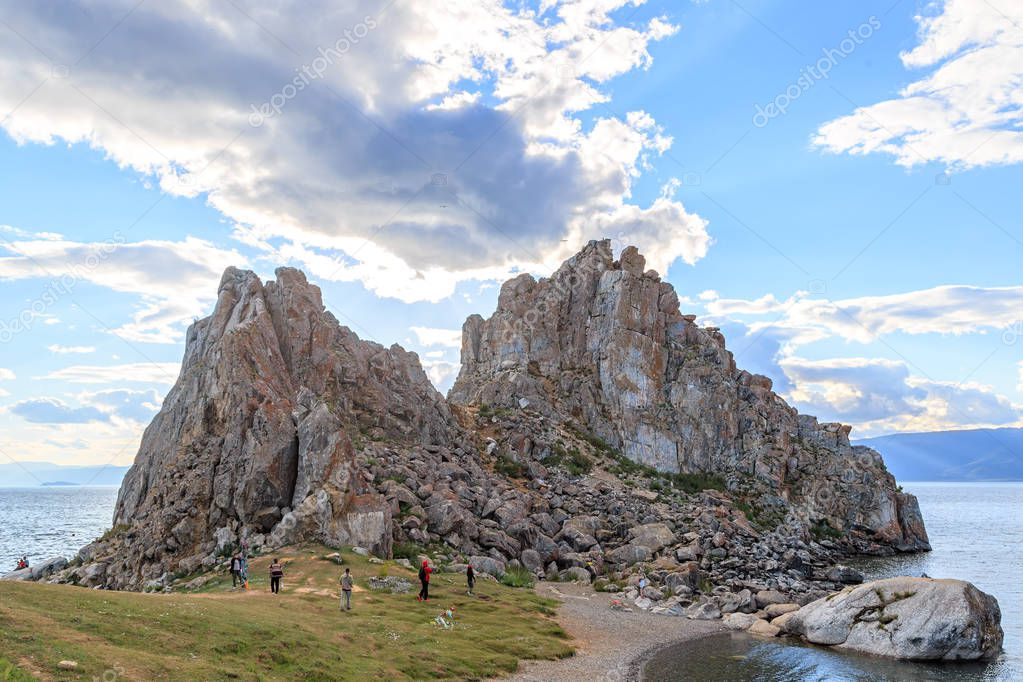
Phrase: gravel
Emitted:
{"points": [[611, 646]]}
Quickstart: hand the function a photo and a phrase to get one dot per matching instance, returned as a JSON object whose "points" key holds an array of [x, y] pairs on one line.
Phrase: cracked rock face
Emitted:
{"points": [[255, 440], [603, 344], [908, 618]]}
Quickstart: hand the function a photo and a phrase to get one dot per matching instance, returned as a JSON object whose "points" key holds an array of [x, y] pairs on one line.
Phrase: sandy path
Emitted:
{"points": [[611, 645]]}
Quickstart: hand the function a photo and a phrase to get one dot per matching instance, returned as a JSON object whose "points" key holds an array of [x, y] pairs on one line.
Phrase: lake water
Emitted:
{"points": [[52, 521], [976, 530]]}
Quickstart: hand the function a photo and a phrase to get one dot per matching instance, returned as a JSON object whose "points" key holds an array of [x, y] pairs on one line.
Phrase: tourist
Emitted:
{"points": [[470, 578], [22, 563], [424, 581], [236, 569], [276, 573], [346, 590], [243, 570]]}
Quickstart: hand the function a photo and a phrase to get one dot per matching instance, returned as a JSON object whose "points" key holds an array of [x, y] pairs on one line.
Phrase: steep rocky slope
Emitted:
{"points": [[594, 431], [603, 343]]}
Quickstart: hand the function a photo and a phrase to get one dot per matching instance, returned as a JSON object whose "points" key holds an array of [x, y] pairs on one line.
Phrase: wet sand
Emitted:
{"points": [[611, 646]]}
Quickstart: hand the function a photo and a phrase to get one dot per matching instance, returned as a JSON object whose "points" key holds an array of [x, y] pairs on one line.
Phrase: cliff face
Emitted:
{"points": [[284, 426], [254, 443], [603, 343]]}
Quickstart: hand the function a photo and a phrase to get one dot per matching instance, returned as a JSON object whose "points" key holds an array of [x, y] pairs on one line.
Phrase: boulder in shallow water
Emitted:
{"points": [[907, 618]]}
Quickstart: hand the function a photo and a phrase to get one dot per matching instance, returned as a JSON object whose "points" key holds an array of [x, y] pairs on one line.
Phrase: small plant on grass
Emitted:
{"points": [[509, 467], [517, 576], [822, 530]]}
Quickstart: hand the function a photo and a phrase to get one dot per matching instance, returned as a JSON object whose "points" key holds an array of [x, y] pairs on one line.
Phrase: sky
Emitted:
{"points": [[836, 185]]}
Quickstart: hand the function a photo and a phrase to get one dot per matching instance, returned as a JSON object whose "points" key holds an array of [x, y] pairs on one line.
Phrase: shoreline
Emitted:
{"points": [[611, 646]]}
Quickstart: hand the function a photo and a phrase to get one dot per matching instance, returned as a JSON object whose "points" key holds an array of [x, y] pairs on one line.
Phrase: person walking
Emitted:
{"points": [[347, 582], [236, 569], [424, 581], [276, 573], [470, 579]]}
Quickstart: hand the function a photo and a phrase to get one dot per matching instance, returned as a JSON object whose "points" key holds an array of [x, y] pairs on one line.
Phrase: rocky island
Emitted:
{"points": [[595, 433]]}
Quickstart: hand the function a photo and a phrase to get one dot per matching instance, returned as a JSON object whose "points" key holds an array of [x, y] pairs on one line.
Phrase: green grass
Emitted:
{"points": [[570, 459], [507, 466], [517, 576], [822, 530], [218, 633]]}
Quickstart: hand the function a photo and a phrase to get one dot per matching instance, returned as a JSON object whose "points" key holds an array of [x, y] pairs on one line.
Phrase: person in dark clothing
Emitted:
{"points": [[236, 568], [424, 581], [276, 573], [470, 579]]}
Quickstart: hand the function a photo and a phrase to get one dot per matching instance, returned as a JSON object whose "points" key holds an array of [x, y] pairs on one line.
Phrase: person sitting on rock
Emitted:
{"points": [[470, 578], [347, 582], [276, 573], [424, 581], [22, 563]]}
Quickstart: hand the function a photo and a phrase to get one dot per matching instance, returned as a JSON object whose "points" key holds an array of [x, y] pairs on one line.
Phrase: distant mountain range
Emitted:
{"points": [[974, 455], [33, 474]]}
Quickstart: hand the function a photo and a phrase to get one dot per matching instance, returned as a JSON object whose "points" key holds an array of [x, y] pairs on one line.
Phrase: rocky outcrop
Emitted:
{"points": [[603, 345], [908, 618], [255, 444], [559, 450]]}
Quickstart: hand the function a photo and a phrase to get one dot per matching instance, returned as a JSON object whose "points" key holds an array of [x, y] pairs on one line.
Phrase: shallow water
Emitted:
{"points": [[976, 531], [51, 521]]}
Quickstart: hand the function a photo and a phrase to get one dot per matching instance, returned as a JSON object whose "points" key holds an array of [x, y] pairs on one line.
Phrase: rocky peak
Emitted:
{"points": [[602, 344], [257, 436]]}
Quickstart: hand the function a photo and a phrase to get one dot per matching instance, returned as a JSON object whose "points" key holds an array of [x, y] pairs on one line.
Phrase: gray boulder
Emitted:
{"points": [[906, 618]]}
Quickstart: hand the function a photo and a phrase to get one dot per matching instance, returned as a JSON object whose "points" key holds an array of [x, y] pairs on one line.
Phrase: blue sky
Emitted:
{"points": [[861, 247]]}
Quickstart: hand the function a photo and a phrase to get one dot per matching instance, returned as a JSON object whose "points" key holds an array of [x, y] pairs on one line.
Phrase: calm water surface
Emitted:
{"points": [[976, 530], [51, 521]]}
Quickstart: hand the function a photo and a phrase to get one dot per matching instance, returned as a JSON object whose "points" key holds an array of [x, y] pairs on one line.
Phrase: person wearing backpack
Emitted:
{"points": [[470, 579], [276, 573], [424, 581], [347, 582]]}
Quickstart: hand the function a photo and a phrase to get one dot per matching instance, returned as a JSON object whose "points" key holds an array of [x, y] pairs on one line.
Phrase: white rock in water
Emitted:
{"points": [[907, 618]]}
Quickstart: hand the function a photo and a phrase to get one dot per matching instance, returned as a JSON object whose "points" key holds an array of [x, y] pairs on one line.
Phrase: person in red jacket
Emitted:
{"points": [[424, 580]]}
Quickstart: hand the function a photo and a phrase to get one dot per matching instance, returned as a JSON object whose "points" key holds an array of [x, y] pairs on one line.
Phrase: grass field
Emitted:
{"points": [[218, 633]]}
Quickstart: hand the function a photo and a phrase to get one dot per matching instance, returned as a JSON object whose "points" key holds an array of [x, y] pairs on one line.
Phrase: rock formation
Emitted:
{"points": [[256, 441], [594, 432], [908, 618], [603, 343]]}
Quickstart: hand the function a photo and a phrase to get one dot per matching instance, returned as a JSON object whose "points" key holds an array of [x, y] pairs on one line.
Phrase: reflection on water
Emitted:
{"points": [[738, 657]]}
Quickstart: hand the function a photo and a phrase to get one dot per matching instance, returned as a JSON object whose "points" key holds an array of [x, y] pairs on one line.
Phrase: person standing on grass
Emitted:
{"points": [[424, 581], [470, 579], [347, 582], [243, 570], [236, 569], [276, 573]]}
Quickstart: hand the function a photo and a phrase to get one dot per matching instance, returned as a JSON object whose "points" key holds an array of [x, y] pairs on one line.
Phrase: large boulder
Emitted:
{"points": [[908, 618]]}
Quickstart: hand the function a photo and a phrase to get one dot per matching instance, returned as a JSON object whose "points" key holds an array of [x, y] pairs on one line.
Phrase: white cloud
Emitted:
{"points": [[175, 281], [442, 373], [141, 372], [55, 411], [967, 111], [6, 374], [880, 396], [67, 350], [431, 336], [949, 309], [418, 156], [1020, 387]]}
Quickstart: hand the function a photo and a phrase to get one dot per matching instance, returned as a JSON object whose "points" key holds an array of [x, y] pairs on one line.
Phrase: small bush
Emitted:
{"points": [[570, 459], [822, 530], [407, 550], [517, 576], [509, 467]]}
